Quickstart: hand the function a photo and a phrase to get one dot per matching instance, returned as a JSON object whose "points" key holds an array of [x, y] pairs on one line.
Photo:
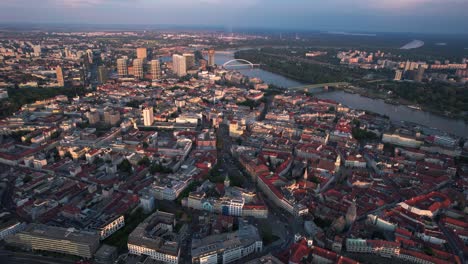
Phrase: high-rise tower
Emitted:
{"points": [[60, 79], [189, 60], [420, 74], [102, 74], [138, 68], [142, 53], [148, 116], [122, 68], [37, 50], [179, 65], [398, 75], [211, 57], [155, 70], [90, 55]]}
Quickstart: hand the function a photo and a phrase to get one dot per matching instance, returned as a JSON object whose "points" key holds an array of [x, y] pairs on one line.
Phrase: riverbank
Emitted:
{"points": [[448, 101], [393, 100], [395, 112], [398, 113], [303, 71]]}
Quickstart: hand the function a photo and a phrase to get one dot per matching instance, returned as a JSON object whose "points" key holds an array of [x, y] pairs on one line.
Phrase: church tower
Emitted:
{"points": [[227, 182], [351, 214]]}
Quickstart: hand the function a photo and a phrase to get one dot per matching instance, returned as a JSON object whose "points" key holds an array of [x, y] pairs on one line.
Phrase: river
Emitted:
{"points": [[266, 76], [394, 112], [399, 112]]}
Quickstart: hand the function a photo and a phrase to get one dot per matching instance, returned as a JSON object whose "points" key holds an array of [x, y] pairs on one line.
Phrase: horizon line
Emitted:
{"points": [[232, 29]]}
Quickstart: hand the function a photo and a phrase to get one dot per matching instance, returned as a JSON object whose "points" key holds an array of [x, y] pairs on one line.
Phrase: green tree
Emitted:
{"points": [[125, 166], [190, 188], [157, 167], [428, 251], [133, 104], [144, 161], [250, 103], [27, 178], [361, 134], [55, 135], [266, 232]]}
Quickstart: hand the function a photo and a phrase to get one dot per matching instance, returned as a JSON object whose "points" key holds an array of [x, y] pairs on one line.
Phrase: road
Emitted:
{"points": [[283, 224], [291, 224], [24, 257], [452, 243]]}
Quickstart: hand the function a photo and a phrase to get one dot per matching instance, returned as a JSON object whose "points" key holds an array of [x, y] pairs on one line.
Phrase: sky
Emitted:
{"points": [[420, 16]]}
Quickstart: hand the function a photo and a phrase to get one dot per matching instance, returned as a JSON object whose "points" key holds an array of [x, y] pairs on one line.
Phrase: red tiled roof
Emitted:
{"points": [[330, 255], [345, 260], [326, 165], [455, 222], [271, 187], [254, 207], [382, 243], [403, 232], [71, 209], [299, 251]]}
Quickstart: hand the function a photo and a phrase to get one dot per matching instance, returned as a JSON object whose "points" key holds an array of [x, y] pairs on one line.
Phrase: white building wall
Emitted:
{"points": [[112, 227], [210, 259], [166, 258], [11, 230]]}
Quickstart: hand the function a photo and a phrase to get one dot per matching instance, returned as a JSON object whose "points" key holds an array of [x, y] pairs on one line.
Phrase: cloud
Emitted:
{"points": [[89, 3], [152, 3], [311, 5], [76, 3], [52, 3], [404, 5], [227, 2], [388, 15]]}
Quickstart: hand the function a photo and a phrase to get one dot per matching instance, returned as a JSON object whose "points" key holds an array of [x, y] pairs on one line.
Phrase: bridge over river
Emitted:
{"points": [[317, 87], [239, 62]]}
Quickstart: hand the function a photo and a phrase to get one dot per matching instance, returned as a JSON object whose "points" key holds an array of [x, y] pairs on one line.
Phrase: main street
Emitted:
{"points": [[452, 242], [284, 225]]}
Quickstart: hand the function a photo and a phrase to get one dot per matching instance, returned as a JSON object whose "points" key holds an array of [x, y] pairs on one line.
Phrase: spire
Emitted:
{"points": [[306, 175], [227, 182], [351, 213]]}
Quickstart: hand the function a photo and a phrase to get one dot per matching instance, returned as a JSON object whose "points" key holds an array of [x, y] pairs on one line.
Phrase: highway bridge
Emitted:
{"points": [[239, 62], [311, 87]]}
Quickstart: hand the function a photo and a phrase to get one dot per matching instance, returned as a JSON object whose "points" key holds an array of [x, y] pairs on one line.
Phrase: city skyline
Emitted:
{"points": [[421, 16], [141, 144]]}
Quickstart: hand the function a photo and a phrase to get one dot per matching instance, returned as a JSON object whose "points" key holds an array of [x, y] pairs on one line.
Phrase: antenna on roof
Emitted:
{"points": [[69, 231]]}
